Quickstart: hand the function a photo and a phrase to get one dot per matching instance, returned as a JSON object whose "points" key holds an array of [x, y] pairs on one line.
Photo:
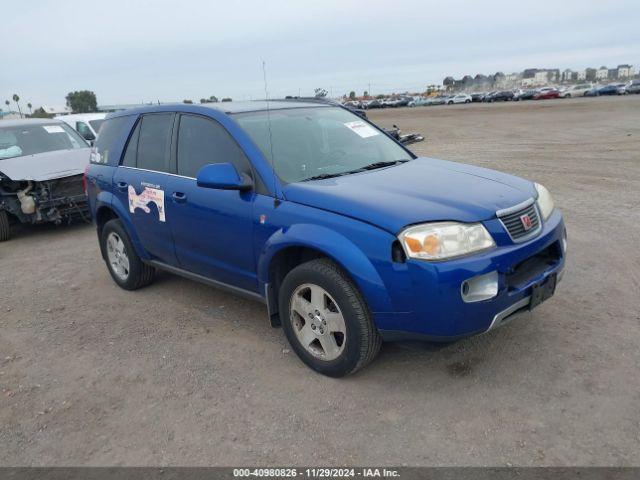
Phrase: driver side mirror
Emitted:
{"points": [[223, 176]]}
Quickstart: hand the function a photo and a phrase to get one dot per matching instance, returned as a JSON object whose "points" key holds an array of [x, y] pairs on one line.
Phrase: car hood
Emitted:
{"points": [[422, 190], [47, 165]]}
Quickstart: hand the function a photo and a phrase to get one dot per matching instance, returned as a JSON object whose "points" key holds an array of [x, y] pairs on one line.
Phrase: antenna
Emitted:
{"points": [[273, 159]]}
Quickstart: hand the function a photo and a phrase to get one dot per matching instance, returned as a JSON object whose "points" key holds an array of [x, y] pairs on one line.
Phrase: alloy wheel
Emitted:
{"points": [[117, 256], [317, 321]]}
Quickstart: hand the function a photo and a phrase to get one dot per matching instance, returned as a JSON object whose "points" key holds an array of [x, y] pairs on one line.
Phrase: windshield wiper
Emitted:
{"points": [[371, 166], [322, 176]]}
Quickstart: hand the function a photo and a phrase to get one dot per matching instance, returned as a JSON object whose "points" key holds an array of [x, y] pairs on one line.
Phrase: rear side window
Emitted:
{"points": [[154, 139], [106, 142], [202, 141], [129, 159]]}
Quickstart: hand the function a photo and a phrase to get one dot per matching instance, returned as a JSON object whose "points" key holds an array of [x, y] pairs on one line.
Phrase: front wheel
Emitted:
{"points": [[467, 101], [124, 264], [326, 320]]}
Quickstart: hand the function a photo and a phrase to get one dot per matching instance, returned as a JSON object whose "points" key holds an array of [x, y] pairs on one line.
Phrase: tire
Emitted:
{"points": [[450, 103], [568, 95], [136, 274], [349, 350], [467, 101], [5, 227]]}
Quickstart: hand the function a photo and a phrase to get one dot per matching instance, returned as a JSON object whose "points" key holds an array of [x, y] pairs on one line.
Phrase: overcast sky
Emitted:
{"points": [[130, 51]]}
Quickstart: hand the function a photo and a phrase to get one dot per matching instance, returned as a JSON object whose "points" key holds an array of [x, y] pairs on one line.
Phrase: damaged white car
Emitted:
{"points": [[41, 173]]}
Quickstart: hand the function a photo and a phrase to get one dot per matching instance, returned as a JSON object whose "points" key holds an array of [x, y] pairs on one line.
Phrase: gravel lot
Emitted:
{"points": [[182, 374]]}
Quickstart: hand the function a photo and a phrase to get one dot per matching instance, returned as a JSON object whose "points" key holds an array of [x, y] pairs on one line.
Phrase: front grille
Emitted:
{"points": [[515, 226], [66, 186]]}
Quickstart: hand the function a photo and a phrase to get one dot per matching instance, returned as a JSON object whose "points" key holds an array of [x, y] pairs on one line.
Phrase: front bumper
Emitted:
{"points": [[427, 295]]}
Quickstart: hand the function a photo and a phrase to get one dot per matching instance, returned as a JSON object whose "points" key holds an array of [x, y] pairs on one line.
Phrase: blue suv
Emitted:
{"points": [[346, 235]]}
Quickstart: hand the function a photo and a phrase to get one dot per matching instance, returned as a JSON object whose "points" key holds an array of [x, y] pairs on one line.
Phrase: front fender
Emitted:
{"points": [[335, 246]]}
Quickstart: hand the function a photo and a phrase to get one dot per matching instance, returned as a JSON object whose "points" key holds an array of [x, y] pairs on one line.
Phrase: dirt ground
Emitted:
{"points": [[182, 374]]}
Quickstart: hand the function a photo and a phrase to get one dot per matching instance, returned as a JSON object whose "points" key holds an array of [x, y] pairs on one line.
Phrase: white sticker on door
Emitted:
{"points": [[147, 196], [363, 129]]}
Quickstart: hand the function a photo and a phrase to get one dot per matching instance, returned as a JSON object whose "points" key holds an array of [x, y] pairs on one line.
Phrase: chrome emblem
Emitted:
{"points": [[526, 222]]}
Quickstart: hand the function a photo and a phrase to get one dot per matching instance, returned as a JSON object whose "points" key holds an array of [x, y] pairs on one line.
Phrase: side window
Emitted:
{"points": [[84, 130], [202, 141], [154, 138], [106, 142], [129, 159]]}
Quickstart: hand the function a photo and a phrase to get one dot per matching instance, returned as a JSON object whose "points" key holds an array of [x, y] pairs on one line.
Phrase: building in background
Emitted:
{"points": [[625, 71], [602, 73], [56, 110]]}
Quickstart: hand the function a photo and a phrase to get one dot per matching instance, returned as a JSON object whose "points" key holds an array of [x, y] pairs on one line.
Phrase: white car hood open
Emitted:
{"points": [[46, 166]]}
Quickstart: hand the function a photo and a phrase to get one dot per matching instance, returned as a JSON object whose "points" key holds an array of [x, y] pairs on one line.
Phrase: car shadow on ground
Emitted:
{"points": [[463, 359]]}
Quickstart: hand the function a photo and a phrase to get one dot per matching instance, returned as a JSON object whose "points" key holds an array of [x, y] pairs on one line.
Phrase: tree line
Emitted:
{"points": [[80, 101]]}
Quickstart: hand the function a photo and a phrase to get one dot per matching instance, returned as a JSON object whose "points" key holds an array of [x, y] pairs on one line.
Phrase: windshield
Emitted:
{"points": [[321, 141], [17, 141], [95, 124]]}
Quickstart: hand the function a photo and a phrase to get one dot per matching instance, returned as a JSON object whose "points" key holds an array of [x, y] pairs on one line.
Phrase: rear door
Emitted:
{"points": [[142, 181], [212, 228]]}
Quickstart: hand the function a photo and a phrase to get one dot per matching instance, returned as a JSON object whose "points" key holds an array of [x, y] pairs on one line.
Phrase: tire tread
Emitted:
{"points": [[5, 226], [140, 274]]}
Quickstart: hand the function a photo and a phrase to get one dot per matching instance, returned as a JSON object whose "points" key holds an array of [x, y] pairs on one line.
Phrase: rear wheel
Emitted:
{"points": [[326, 320], [5, 227], [124, 264]]}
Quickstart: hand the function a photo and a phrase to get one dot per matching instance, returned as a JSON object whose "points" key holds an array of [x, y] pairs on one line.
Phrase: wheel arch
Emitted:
{"points": [[287, 249], [114, 210]]}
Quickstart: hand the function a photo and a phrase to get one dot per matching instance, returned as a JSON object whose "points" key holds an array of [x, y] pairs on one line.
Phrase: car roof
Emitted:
{"points": [[28, 121], [225, 107], [82, 116]]}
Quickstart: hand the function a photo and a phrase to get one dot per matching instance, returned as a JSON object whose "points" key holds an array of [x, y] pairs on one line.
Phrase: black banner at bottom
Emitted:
{"points": [[404, 473]]}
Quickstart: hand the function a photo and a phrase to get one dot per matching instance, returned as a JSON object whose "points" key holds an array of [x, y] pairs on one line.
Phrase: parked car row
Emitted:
{"points": [[611, 89], [544, 93]]}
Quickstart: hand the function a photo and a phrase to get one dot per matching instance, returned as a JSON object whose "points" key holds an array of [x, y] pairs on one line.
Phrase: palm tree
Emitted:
{"points": [[7, 103], [16, 99], [30, 106]]}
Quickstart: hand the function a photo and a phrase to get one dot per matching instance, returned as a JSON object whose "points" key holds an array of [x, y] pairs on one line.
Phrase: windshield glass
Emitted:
{"points": [[312, 142], [95, 124], [16, 141]]}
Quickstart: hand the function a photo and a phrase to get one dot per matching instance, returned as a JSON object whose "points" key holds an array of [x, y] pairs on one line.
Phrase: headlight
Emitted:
{"points": [[545, 201], [437, 241]]}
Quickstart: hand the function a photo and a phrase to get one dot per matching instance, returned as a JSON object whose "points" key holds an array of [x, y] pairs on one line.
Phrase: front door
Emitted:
{"points": [[212, 229]]}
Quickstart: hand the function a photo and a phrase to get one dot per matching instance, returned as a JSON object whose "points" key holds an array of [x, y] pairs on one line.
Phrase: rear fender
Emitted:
{"points": [[108, 200]]}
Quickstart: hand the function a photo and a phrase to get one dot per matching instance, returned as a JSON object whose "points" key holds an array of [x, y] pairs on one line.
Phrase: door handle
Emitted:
{"points": [[179, 197], [122, 186]]}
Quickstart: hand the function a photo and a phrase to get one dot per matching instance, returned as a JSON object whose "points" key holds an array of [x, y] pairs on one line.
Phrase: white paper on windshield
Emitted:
{"points": [[53, 128], [363, 129]]}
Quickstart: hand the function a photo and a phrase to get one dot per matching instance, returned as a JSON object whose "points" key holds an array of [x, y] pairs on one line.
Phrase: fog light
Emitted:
{"points": [[564, 242], [482, 287]]}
